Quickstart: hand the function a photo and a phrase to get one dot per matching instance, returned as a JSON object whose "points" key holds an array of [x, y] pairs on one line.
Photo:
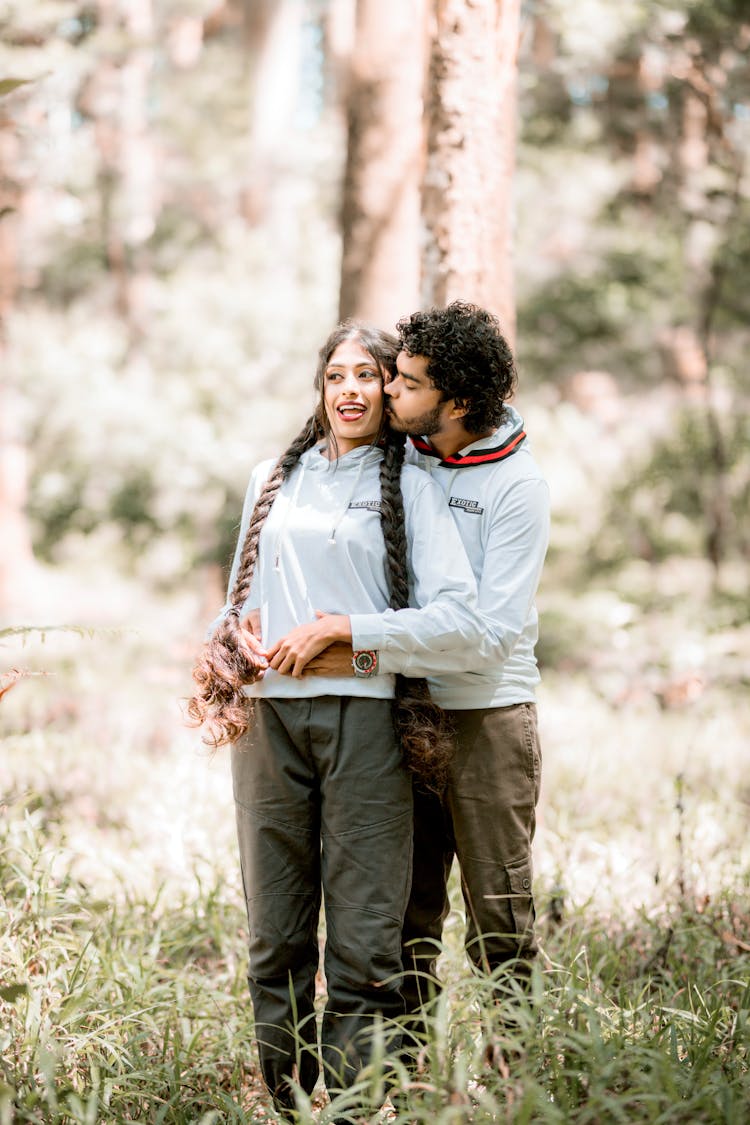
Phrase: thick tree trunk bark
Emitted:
{"points": [[381, 193], [471, 136]]}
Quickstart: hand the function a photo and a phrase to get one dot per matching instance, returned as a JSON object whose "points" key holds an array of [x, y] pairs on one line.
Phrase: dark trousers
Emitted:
{"points": [[323, 804], [487, 819]]}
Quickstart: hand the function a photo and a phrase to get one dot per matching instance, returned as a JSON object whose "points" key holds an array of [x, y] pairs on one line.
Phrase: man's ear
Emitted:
{"points": [[459, 409]]}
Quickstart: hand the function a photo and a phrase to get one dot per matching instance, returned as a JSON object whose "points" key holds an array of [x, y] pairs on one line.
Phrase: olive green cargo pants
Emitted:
{"points": [[323, 803], [487, 819]]}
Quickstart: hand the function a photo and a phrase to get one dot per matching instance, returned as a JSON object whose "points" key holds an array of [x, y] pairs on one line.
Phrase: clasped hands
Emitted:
{"points": [[318, 648]]}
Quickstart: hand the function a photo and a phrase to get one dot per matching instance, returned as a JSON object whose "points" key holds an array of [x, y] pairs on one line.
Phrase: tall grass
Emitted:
{"points": [[123, 936], [116, 1010], [134, 1008]]}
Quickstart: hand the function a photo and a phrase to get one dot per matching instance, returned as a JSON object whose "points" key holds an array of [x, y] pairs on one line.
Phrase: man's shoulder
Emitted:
{"points": [[521, 465], [414, 479], [517, 482]]}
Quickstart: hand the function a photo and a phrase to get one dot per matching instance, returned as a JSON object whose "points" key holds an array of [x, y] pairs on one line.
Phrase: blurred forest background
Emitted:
{"points": [[192, 192]]}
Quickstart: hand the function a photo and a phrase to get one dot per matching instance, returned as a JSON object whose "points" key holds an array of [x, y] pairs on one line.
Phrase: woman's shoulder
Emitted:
{"points": [[258, 478], [262, 470]]}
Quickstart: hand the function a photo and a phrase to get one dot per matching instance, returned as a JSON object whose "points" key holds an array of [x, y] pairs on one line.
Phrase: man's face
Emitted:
{"points": [[414, 405]]}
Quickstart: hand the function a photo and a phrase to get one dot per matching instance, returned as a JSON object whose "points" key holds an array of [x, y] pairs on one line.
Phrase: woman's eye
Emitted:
{"points": [[369, 375]]}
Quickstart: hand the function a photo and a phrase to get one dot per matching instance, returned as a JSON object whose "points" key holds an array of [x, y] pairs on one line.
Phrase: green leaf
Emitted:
{"points": [[72, 1005], [8, 85], [12, 992]]}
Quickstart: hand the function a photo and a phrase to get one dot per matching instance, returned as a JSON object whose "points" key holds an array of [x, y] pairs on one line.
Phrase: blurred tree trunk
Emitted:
{"points": [[15, 555], [272, 195], [116, 98], [471, 135], [381, 191], [703, 127], [272, 34], [139, 166]]}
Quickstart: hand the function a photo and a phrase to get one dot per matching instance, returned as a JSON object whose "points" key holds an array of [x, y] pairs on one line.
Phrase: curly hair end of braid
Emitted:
{"points": [[220, 672], [425, 734]]}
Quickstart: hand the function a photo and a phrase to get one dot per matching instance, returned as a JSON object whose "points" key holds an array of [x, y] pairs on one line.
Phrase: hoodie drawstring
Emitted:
{"points": [[345, 508], [287, 512]]}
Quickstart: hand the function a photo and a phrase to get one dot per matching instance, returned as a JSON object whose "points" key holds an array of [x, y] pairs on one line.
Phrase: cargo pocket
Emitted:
{"points": [[521, 902]]}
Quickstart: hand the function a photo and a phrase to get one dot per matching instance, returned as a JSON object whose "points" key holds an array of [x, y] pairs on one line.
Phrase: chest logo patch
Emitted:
{"points": [[471, 506], [369, 505]]}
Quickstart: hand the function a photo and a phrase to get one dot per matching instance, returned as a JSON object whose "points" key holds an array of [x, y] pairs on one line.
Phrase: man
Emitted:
{"points": [[455, 375]]}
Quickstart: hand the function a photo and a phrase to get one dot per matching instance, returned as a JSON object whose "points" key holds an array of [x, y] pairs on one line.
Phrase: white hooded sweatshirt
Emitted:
{"points": [[500, 503], [322, 548]]}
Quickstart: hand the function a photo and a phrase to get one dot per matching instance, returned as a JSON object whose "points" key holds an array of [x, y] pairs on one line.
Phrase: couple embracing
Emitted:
{"points": [[374, 671]]}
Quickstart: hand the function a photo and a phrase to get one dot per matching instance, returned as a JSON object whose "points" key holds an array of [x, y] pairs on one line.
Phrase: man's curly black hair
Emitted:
{"points": [[469, 359]]}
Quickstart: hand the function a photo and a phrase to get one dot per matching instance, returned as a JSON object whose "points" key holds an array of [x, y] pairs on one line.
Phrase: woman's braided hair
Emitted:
{"points": [[225, 666], [422, 727]]}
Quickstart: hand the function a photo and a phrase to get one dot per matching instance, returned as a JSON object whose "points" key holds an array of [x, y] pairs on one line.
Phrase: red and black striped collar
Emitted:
{"points": [[480, 457]]}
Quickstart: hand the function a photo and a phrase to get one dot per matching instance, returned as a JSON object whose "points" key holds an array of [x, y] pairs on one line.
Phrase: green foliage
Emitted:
{"points": [[8, 85], [715, 22], [113, 1013], [153, 314], [586, 317], [661, 508], [665, 235]]}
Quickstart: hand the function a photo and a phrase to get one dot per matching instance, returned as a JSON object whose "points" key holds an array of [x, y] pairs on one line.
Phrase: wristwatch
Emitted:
{"points": [[365, 663]]}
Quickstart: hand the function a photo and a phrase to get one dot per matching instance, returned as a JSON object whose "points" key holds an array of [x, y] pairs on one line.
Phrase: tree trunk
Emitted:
{"points": [[140, 182], [272, 33], [117, 97], [15, 555], [703, 281], [471, 134], [381, 192]]}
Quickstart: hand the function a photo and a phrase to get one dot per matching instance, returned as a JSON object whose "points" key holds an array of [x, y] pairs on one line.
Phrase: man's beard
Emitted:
{"points": [[424, 426]]}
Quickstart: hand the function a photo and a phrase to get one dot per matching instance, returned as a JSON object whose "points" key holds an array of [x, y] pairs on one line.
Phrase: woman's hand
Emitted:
{"points": [[290, 654], [250, 640]]}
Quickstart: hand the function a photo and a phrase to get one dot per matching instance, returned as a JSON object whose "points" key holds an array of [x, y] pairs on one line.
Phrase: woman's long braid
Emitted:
{"points": [[422, 726], [225, 665]]}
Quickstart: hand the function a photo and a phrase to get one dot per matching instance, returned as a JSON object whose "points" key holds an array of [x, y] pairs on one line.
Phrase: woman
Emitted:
{"points": [[333, 535]]}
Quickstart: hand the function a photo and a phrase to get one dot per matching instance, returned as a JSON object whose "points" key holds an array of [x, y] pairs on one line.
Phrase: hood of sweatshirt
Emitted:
{"points": [[314, 459]]}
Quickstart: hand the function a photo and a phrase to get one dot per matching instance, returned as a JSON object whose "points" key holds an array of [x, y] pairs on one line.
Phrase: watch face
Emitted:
{"points": [[364, 663]]}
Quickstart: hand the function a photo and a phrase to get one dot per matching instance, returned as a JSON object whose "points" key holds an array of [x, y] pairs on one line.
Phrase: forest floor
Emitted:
{"points": [[122, 935]]}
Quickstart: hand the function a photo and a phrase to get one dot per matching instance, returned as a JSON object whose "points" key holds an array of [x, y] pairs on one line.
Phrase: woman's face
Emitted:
{"points": [[353, 396]]}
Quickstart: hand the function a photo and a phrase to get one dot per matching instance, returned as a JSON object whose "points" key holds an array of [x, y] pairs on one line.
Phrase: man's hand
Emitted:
{"points": [[291, 654], [336, 660]]}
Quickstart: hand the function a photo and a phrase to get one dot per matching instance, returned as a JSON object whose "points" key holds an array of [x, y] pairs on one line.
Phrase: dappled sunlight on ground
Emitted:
{"points": [[643, 796], [641, 804]]}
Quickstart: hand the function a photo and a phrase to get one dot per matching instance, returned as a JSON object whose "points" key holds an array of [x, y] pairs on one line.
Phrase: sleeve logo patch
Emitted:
{"points": [[470, 506], [369, 505]]}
